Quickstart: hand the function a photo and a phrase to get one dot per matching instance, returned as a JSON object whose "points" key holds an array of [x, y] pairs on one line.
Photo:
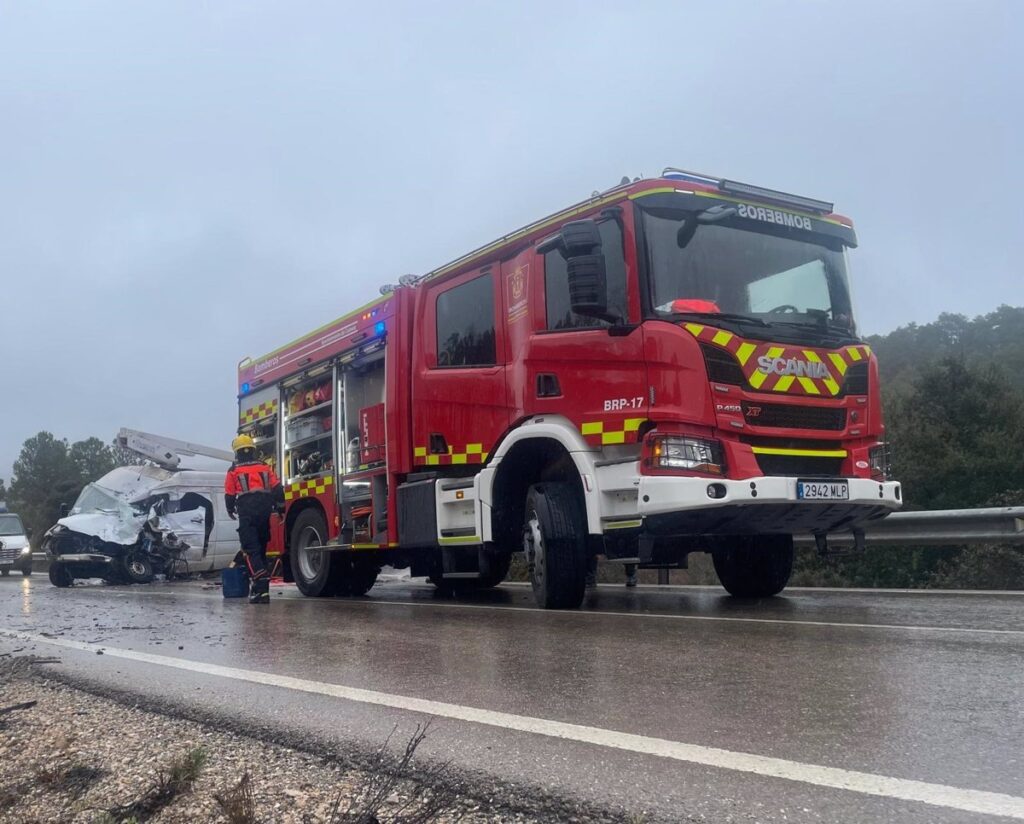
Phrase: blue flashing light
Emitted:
{"points": [[245, 389], [378, 328]]}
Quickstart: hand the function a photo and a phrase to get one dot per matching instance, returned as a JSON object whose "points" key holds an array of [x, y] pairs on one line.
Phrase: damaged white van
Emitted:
{"points": [[140, 521]]}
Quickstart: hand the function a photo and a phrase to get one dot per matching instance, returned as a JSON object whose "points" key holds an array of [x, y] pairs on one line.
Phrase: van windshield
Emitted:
{"points": [[11, 525]]}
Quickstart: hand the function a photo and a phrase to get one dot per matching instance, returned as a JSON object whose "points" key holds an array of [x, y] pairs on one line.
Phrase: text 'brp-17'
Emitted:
{"points": [[671, 366]]}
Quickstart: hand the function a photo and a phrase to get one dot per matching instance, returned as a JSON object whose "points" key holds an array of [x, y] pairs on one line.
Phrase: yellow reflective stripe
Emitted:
{"points": [[458, 459], [839, 362], [744, 352], [757, 379], [460, 539], [722, 337], [867, 350], [613, 437], [419, 452], [812, 356], [592, 428], [801, 453], [775, 351], [784, 383], [810, 387], [474, 448], [854, 353], [694, 329], [623, 525], [633, 424], [831, 385], [433, 460], [659, 191]]}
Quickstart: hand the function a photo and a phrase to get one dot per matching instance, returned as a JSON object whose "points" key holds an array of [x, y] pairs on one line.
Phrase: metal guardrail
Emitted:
{"points": [[943, 527]]}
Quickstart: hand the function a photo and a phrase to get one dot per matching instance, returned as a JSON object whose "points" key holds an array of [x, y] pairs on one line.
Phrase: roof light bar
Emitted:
{"points": [[808, 204]]}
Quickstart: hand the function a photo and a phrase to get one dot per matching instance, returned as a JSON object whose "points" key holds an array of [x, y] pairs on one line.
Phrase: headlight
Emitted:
{"points": [[692, 454], [25, 550]]}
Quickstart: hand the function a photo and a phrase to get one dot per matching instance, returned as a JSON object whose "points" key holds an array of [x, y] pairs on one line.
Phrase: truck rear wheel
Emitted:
{"points": [[60, 576], [311, 567], [755, 567], [554, 539]]}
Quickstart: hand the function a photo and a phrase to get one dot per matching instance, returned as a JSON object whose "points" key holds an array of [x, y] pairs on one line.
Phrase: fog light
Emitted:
{"points": [[716, 490], [692, 454]]}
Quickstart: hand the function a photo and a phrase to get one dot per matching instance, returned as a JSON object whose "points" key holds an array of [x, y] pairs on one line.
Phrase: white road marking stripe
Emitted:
{"points": [[371, 601], [939, 795]]}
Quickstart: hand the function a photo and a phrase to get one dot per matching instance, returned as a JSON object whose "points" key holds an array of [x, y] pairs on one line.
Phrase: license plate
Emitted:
{"points": [[823, 490]]}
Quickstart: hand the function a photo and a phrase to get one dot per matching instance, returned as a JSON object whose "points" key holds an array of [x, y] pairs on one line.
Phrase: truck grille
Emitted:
{"points": [[8, 556], [800, 466], [784, 416]]}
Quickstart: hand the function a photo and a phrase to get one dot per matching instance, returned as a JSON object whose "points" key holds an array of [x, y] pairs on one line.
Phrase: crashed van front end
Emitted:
{"points": [[120, 530]]}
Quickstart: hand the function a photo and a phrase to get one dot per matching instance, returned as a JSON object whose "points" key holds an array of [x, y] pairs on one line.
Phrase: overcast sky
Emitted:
{"points": [[183, 184]]}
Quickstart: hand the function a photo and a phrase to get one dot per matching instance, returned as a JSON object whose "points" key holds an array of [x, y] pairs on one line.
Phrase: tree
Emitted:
{"points": [[92, 458], [3, 490], [44, 476]]}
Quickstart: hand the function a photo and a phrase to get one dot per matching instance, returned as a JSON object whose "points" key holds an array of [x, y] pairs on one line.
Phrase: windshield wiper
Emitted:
{"points": [[733, 316]]}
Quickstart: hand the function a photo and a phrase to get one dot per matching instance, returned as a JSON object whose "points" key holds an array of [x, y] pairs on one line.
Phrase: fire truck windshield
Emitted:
{"points": [[739, 268]]}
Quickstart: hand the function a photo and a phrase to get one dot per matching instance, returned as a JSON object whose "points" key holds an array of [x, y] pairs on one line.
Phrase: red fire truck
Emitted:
{"points": [[670, 366]]}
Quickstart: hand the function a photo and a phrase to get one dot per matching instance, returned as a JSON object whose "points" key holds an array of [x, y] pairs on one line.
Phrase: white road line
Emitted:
{"points": [[371, 601], [939, 795]]}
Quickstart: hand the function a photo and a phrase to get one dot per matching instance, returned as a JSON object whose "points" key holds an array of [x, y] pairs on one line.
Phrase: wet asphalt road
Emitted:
{"points": [[921, 686]]}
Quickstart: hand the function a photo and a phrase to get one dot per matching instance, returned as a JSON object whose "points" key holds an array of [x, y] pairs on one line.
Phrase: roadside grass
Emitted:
{"points": [[380, 796], [178, 779], [74, 779], [238, 803]]}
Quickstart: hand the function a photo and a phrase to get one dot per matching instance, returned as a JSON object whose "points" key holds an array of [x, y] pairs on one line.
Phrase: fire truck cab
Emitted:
{"points": [[671, 366]]}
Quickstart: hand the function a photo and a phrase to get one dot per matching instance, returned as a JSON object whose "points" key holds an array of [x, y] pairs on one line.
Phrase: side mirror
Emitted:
{"points": [[64, 510], [580, 245]]}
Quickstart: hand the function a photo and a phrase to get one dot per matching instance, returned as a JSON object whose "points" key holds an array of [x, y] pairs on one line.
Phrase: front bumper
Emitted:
{"points": [[83, 558], [763, 505]]}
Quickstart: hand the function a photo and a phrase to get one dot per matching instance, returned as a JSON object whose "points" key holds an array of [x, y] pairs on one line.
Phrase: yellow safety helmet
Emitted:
{"points": [[242, 442]]}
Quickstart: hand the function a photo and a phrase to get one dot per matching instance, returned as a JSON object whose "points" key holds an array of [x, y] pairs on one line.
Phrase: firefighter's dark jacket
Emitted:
{"points": [[249, 480]]}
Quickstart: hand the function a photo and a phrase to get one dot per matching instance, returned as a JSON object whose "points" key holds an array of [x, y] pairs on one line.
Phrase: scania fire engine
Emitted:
{"points": [[670, 366]]}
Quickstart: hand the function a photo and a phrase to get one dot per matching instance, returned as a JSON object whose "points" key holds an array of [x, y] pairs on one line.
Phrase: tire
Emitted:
{"points": [[351, 576], [138, 569], [26, 571], [755, 567], [555, 541], [60, 576], [311, 569]]}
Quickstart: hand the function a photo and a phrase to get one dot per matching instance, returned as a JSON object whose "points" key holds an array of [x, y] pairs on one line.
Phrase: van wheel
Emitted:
{"points": [[311, 567], [138, 569], [26, 571], [554, 539], [60, 576], [757, 566]]}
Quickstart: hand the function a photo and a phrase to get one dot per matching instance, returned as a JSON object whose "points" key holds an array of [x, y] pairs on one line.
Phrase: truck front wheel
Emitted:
{"points": [[554, 539], [311, 567], [755, 567]]}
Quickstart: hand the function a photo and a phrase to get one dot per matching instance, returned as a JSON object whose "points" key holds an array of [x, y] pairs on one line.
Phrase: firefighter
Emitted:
{"points": [[252, 490]]}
